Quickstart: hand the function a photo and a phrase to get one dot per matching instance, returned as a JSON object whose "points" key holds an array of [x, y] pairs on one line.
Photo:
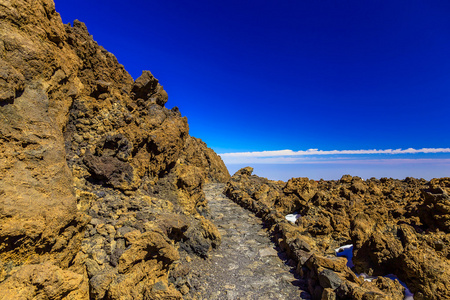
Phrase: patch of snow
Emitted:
{"points": [[350, 246], [347, 252], [292, 217], [367, 277]]}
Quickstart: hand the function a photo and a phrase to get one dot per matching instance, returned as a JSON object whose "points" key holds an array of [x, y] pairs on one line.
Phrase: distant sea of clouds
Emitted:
{"points": [[317, 164]]}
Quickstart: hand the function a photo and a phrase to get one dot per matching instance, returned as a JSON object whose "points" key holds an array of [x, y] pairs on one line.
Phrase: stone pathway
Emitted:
{"points": [[246, 265]]}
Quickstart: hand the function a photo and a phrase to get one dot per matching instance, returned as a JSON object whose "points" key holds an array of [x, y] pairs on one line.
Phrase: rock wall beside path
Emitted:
{"points": [[91, 164], [396, 227]]}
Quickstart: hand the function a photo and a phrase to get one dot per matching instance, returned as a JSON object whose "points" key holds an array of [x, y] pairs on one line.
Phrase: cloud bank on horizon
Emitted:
{"points": [[313, 155]]}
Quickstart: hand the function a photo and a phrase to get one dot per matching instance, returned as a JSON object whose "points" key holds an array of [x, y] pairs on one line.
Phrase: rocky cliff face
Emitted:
{"points": [[395, 227], [100, 184]]}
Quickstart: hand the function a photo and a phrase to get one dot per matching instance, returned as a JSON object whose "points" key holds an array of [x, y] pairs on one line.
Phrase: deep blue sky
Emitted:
{"points": [[271, 75]]}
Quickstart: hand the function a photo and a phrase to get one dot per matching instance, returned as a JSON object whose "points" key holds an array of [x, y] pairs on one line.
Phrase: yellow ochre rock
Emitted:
{"points": [[88, 155]]}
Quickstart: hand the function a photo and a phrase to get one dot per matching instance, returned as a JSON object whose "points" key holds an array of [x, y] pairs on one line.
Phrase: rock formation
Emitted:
{"points": [[396, 227], [100, 184], [101, 187]]}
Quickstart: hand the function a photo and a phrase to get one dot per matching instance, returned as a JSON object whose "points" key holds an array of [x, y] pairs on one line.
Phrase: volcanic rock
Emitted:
{"points": [[89, 161], [395, 226]]}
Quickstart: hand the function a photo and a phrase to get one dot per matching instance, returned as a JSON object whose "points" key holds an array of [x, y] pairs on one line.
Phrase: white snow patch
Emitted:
{"points": [[367, 277], [293, 217], [350, 246]]}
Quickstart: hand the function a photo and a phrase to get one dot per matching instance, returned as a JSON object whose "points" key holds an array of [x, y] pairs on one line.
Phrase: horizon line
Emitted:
{"points": [[310, 152]]}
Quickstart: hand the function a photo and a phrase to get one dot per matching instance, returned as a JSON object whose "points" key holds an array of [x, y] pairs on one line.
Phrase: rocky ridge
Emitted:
{"points": [[395, 227], [101, 186]]}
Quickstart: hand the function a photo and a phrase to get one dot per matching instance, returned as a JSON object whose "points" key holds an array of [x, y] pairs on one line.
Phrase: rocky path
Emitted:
{"points": [[246, 265]]}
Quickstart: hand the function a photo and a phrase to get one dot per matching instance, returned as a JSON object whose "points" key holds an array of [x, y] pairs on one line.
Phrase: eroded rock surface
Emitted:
{"points": [[100, 184], [396, 227]]}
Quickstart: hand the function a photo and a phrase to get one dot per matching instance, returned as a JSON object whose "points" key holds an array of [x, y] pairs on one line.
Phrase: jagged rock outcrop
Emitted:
{"points": [[90, 161], [396, 227]]}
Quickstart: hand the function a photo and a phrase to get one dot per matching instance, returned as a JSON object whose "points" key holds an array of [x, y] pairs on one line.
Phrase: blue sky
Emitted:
{"points": [[257, 76]]}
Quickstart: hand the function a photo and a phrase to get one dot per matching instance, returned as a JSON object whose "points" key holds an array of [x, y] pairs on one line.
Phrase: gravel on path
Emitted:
{"points": [[247, 265]]}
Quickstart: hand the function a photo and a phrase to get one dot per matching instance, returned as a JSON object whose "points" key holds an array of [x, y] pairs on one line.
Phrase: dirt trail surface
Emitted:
{"points": [[247, 265]]}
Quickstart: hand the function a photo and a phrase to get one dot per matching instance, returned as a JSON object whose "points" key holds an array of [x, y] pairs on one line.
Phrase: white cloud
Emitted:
{"points": [[318, 156], [288, 152]]}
